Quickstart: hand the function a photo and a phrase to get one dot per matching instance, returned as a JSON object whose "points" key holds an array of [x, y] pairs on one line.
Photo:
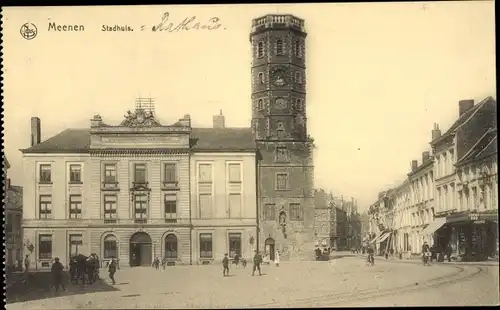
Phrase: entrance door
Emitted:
{"points": [[140, 249], [270, 248]]}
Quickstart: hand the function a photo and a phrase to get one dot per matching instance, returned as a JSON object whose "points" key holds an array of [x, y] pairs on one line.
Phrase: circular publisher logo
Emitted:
{"points": [[29, 31]]}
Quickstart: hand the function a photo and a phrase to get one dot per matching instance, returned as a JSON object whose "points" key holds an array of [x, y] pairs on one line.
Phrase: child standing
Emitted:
{"points": [[225, 264]]}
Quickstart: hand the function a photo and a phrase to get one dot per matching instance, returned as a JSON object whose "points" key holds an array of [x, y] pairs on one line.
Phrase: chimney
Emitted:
{"points": [[425, 157], [36, 131], [219, 121], [464, 106], [436, 132], [96, 121], [186, 120], [7, 184], [414, 165]]}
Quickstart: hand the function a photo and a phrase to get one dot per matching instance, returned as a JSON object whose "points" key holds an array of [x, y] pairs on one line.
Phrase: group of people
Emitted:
{"points": [[430, 253], [257, 262]]}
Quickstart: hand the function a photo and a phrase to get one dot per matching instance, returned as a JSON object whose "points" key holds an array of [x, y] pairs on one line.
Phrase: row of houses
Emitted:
{"points": [[450, 197], [337, 223]]}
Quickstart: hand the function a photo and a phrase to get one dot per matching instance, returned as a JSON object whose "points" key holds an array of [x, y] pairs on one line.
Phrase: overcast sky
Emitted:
{"points": [[378, 76]]}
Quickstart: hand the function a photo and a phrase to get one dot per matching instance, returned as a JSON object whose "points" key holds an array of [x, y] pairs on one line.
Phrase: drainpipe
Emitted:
{"points": [[190, 210], [257, 200]]}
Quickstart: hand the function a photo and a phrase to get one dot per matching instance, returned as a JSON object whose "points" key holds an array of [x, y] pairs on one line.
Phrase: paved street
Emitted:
{"points": [[340, 282]]}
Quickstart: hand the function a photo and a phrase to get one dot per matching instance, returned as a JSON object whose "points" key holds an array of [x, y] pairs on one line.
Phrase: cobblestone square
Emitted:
{"points": [[299, 284]]}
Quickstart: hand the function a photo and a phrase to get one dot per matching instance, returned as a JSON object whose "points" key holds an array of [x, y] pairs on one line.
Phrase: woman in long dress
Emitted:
{"points": [[277, 258]]}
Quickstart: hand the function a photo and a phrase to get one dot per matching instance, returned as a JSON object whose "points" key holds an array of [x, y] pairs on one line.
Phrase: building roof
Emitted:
{"points": [[202, 139], [462, 119], [14, 199], [485, 146], [223, 139], [6, 164]]}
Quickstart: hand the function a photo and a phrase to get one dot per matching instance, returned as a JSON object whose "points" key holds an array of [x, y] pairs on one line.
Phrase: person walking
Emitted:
{"points": [[112, 270], [426, 253], [257, 260], [57, 272], [225, 265], [277, 258]]}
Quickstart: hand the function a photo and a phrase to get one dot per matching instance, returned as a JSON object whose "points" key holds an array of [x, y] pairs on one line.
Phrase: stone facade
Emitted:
{"points": [[13, 213], [126, 192], [285, 166]]}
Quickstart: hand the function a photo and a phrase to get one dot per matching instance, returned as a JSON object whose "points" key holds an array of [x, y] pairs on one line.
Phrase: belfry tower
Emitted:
{"points": [[285, 166]]}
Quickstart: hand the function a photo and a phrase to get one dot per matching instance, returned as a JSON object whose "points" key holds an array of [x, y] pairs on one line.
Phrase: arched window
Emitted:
{"points": [[298, 77], [171, 246], [281, 130], [260, 104], [261, 78], [110, 247], [298, 49], [260, 49], [279, 47]]}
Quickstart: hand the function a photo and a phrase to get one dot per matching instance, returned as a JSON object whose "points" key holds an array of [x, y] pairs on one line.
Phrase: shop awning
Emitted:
{"points": [[429, 230], [376, 237], [384, 236]]}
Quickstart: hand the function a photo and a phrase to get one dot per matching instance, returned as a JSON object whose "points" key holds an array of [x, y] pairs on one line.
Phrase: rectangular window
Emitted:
{"points": [[270, 212], [110, 173], [45, 206], [8, 223], [140, 173], [235, 205], [281, 181], [296, 212], [110, 207], [206, 205], [75, 244], [170, 206], [75, 173], [205, 171], [45, 174], [234, 173], [170, 173], [141, 207], [206, 246], [281, 154], [234, 244], [75, 206], [44, 246]]}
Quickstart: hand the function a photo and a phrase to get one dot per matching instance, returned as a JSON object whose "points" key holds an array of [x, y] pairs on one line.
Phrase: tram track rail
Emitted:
{"points": [[333, 299]]}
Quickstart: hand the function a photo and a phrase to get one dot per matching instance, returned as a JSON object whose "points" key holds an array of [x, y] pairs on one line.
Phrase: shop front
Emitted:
{"points": [[473, 235]]}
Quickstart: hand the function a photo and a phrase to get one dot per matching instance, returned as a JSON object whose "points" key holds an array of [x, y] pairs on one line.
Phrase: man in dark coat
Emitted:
{"points": [[257, 260], [57, 272], [112, 270], [225, 265], [449, 250]]}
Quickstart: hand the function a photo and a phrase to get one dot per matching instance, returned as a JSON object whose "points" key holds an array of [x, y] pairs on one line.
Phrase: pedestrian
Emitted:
{"points": [[425, 253], [225, 265], [257, 260], [449, 250], [277, 258], [57, 272], [244, 262], [112, 270], [26, 268]]}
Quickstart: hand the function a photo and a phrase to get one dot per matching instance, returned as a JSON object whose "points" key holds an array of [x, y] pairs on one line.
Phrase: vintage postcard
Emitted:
{"points": [[250, 156]]}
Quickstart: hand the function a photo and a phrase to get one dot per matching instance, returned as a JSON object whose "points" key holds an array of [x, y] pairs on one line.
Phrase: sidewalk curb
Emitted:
{"points": [[419, 262]]}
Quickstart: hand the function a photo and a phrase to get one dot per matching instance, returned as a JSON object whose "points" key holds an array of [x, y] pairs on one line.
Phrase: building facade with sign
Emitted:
{"points": [[323, 217], [452, 202], [124, 191], [285, 171]]}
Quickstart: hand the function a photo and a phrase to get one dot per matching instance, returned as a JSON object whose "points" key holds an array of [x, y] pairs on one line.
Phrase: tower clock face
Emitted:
{"points": [[279, 77], [280, 103]]}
